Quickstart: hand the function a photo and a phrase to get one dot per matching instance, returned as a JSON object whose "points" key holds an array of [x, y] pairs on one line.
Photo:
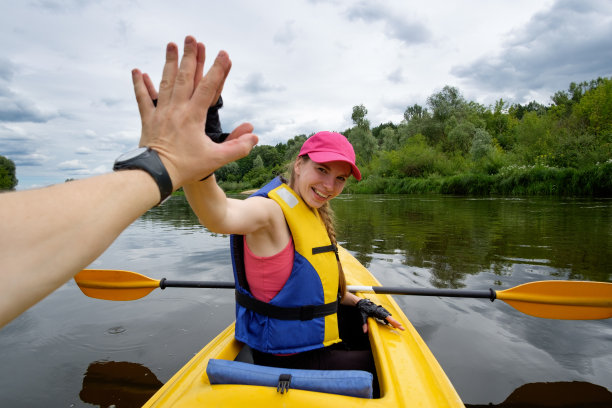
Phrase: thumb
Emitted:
{"points": [[236, 148], [240, 130]]}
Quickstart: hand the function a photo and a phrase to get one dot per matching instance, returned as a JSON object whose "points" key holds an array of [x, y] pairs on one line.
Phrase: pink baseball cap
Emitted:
{"points": [[324, 147]]}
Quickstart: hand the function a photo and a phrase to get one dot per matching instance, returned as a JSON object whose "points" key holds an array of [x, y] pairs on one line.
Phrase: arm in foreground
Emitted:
{"points": [[48, 235]]}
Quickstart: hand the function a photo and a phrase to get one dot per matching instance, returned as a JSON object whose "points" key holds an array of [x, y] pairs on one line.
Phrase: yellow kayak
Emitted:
{"points": [[408, 373]]}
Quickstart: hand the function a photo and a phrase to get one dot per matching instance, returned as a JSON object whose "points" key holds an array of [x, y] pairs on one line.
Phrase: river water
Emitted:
{"points": [[71, 351]]}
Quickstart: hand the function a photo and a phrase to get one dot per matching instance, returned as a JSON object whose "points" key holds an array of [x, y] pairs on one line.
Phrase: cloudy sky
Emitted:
{"points": [[66, 101]]}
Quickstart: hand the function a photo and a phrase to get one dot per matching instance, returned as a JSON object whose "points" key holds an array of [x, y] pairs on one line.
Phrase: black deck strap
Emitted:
{"points": [[286, 313], [284, 381], [238, 251]]}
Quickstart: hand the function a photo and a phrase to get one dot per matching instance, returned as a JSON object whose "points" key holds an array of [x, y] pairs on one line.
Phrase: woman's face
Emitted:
{"points": [[317, 183]]}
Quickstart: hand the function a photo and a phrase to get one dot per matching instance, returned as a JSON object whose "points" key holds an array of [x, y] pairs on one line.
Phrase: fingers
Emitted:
{"points": [[211, 85], [185, 77], [200, 58], [395, 323], [166, 85], [220, 89], [142, 94]]}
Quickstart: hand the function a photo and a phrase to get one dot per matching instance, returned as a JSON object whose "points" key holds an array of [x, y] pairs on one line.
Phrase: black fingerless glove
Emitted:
{"points": [[213, 125], [369, 309]]}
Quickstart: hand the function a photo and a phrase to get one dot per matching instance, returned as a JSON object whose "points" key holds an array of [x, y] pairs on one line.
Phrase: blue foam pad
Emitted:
{"points": [[353, 383]]}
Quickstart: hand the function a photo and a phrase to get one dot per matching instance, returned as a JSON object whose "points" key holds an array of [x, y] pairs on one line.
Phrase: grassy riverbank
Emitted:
{"points": [[511, 181]]}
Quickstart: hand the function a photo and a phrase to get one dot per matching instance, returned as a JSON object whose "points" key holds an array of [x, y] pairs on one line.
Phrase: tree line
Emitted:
{"points": [[455, 146]]}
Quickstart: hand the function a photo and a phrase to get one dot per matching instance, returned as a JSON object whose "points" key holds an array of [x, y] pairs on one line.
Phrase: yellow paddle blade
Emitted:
{"points": [[571, 300], [114, 284]]}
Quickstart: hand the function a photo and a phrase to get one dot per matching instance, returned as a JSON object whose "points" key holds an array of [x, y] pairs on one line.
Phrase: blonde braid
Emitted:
{"points": [[327, 215]]}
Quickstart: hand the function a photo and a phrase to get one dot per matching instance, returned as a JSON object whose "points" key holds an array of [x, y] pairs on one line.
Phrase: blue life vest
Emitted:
{"points": [[302, 316]]}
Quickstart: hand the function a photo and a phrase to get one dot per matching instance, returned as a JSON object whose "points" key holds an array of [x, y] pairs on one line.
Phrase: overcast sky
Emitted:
{"points": [[66, 99]]}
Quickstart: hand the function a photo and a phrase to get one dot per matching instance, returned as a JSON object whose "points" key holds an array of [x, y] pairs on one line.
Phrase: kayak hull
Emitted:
{"points": [[408, 373]]}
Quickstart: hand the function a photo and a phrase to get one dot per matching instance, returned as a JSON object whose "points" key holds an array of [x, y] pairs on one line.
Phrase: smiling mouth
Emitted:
{"points": [[318, 193]]}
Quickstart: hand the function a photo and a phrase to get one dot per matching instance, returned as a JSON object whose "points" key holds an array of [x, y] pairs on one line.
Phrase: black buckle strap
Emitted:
{"points": [[284, 381], [307, 312], [323, 249]]}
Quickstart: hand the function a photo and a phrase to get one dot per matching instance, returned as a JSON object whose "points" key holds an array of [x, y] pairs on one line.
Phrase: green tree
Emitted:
{"points": [[377, 131], [533, 137], [595, 108], [229, 172], [414, 112], [364, 144], [414, 159], [460, 137], [518, 110], [359, 116], [8, 180], [446, 103], [482, 144], [293, 147], [390, 139], [258, 163]]}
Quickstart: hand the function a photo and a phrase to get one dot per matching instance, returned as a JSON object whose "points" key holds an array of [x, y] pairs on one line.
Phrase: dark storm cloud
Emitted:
{"points": [[395, 26], [570, 40]]}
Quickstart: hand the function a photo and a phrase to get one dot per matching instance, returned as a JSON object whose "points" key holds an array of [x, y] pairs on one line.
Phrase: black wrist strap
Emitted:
{"points": [[150, 162]]}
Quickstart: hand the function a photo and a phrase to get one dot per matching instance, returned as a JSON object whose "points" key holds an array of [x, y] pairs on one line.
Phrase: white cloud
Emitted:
{"points": [[71, 165], [83, 150]]}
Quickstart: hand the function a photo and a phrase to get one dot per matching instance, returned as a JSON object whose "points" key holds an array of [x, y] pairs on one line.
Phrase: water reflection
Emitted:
{"points": [[456, 237], [573, 394], [120, 384]]}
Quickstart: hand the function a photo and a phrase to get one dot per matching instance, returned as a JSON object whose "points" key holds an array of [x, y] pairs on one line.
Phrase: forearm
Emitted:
{"points": [[209, 203], [350, 299], [50, 234]]}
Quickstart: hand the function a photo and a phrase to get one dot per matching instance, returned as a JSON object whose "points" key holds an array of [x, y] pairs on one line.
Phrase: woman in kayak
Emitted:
{"points": [[289, 280]]}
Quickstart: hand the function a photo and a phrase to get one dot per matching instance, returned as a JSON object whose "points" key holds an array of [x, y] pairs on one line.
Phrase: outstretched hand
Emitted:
{"points": [[175, 127]]}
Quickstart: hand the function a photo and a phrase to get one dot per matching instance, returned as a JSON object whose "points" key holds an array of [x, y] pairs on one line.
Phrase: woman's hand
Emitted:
{"points": [[371, 309]]}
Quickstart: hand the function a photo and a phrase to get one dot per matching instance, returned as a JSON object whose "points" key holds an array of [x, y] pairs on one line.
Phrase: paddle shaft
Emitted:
{"points": [[383, 290], [399, 290], [165, 283]]}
